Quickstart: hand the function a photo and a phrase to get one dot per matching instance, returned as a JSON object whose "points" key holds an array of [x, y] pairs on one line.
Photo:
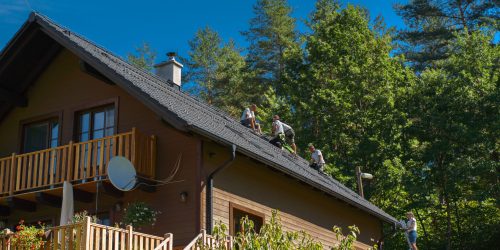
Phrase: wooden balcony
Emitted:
{"points": [[92, 236], [79, 163]]}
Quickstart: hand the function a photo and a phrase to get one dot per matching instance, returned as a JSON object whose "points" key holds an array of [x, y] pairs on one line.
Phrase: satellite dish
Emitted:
{"points": [[122, 173]]}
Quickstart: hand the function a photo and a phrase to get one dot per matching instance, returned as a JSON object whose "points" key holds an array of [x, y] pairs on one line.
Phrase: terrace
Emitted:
{"points": [[26, 178]]}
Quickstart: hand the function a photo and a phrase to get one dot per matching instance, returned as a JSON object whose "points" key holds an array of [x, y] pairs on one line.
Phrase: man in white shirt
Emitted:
{"points": [[248, 118], [278, 130], [317, 160]]}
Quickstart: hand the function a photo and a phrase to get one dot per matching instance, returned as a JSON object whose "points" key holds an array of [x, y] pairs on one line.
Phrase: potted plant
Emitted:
{"points": [[139, 214]]}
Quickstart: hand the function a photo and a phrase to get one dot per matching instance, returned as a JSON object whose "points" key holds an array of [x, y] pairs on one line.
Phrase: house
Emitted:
{"points": [[67, 106]]}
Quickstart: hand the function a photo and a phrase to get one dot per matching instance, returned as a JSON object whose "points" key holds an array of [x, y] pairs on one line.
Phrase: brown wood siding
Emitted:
{"points": [[64, 88], [257, 187]]}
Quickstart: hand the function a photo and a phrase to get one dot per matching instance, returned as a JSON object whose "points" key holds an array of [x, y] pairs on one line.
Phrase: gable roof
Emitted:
{"points": [[186, 113]]}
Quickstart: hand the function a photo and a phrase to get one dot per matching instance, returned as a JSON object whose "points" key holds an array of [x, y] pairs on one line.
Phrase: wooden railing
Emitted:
{"points": [[167, 243], [75, 162], [209, 241], [91, 236]]}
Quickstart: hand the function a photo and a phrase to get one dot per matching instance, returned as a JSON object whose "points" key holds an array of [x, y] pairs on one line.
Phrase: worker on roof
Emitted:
{"points": [[248, 119], [279, 130], [317, 160]]}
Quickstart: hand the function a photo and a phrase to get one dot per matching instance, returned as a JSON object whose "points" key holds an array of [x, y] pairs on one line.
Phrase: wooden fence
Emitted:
{"points": [[75, 162], [91, 236]]}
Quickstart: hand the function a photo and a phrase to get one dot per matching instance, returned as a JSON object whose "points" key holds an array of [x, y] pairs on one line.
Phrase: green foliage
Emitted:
{"points": [[345, 242], [81, 217], [452, 157], [273, 48], [28, 237], [348, 103], [218, 72], [273, 236], [143, 58], [431, 24], [271, 35], [139, 214]]}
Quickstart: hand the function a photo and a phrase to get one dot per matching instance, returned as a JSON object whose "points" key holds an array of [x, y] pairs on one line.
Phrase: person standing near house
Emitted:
{"points": [[317, 160], [248, 118], [411, 230], [280, 129]]}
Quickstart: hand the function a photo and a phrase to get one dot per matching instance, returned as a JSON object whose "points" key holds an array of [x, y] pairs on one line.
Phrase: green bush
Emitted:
{"points": [[28, 237], [139, 214], [272, 236]]}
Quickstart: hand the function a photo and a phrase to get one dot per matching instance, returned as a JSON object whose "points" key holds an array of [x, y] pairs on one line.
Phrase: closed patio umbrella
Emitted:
{"points": [[67, 208]]}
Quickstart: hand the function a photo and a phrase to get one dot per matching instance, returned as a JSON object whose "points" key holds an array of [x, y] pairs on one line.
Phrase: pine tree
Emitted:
{"points": [[271, 34], [144, 57], [202, 63], [217, 71], [431, 24]]}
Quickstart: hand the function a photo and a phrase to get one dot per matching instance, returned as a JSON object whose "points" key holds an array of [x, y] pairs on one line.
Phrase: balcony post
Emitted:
{"points": [[71, 165], [230, 242], [134, 147], [170, 238], [86, 233], [203, 237], [12, 173], [129, 245]]}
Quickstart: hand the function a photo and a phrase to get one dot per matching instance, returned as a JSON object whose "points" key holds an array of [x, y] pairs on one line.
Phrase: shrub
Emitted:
{"points": [[272, 236], [28, 237], [139, 214]]}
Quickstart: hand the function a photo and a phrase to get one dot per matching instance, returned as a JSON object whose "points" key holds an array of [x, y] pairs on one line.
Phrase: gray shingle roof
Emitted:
{"points": [[187, 113]]}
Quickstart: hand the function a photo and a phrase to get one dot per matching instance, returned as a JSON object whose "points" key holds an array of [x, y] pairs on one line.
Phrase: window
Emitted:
{"points": [[40, 135], [96, 123], [239, 212]]}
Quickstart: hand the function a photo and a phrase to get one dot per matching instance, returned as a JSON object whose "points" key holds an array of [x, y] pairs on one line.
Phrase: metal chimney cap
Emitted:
{"points": [[171, 54]]}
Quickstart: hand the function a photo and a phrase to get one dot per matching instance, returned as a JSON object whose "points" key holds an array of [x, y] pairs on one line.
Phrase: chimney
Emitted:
{"points": [[170, 70]]}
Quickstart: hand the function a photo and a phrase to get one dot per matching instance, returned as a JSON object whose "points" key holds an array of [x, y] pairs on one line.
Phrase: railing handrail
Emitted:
{"points": [[193, 242], [67, 146], [117, 229], [75, 162], [149, 236], [167, 243]]}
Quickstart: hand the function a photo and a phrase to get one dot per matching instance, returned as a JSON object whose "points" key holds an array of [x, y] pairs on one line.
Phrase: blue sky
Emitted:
{"points": [[166, 25]]}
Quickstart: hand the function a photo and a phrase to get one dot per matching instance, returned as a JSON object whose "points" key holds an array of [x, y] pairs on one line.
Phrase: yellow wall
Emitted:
{"points": [[257, 187]]}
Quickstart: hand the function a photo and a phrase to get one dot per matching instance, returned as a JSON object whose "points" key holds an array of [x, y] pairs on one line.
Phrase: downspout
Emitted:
{"points": [[209, 190]]}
